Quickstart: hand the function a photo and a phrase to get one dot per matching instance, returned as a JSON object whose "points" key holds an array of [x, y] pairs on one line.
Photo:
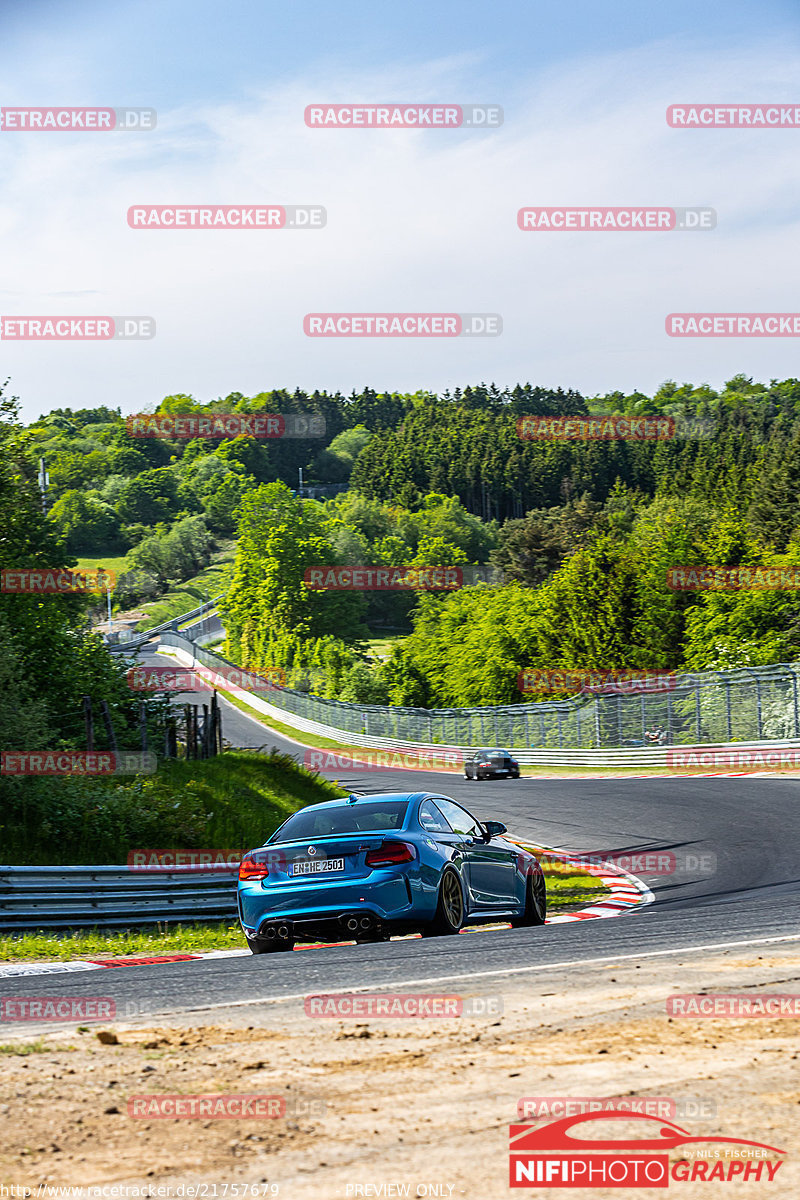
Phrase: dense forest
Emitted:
{"points": [[580, 533]]}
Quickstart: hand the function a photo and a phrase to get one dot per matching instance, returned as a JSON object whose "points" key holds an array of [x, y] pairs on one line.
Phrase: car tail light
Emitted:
{"points": [[253, 868], [390, 854]]}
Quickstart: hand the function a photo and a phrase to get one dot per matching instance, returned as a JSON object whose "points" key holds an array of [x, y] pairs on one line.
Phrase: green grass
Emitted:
{"points": [[182, 597], [233, 801], [24, 1048], [109, 561], [117, 943], [567, 887], [380, 647]]}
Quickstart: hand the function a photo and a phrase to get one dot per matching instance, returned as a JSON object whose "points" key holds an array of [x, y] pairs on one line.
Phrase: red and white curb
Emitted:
{"points": [[627, 892]]}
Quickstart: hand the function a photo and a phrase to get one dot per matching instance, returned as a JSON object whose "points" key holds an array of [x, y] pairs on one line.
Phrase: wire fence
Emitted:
{"points": [[748, 704]]}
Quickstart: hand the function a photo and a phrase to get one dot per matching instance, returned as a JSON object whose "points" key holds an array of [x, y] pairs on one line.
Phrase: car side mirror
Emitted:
{"points": [[494, 829]]}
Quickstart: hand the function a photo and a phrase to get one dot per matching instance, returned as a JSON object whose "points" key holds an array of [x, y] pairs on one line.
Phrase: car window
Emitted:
{"points": [[459, 818], [361, 817], [431, 819]]}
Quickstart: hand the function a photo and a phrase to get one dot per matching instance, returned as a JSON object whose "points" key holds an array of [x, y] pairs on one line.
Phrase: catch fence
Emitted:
{"points": [[745, 705]]}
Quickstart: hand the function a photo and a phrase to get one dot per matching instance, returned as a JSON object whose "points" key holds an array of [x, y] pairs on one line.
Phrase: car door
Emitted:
{"points": [[490, 865]]}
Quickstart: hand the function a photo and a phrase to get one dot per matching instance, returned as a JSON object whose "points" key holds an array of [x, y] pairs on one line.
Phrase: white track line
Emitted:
{"points": [[557, 966]]}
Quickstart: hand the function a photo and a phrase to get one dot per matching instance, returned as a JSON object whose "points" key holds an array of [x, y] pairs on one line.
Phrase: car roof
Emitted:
{"points": [[346, 802]]}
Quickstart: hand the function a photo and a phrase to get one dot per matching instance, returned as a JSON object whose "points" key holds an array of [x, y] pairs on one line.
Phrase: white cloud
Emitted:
{"points": [[416, 222]]}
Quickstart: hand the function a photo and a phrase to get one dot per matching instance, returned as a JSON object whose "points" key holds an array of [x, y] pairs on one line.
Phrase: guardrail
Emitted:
{"points": [[147, 635], [82, 897], [749, 704]]}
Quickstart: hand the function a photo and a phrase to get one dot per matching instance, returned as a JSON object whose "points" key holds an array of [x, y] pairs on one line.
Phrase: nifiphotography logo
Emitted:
{"points": [[568, 1153]]}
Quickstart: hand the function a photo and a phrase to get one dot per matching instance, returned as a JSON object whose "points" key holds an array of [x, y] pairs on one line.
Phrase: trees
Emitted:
{"points": [[174, 554], [335, 464], [49, 660], [150, 497], [84, 522], [280, 537]]}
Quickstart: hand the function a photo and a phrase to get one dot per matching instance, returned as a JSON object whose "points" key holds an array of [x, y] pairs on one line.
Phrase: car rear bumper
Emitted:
{"points": [[385, 900]]}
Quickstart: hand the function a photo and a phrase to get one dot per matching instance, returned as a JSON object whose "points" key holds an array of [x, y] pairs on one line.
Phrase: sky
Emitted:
{"points": [[418, 221]]}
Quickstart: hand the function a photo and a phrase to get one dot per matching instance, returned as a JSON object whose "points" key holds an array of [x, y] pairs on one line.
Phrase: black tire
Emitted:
{"points": [[260, 946], [535, 900], [450, 910]]}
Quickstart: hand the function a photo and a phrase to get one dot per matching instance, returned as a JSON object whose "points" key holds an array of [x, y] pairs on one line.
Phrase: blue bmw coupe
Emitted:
{"points": [[366, 867]]}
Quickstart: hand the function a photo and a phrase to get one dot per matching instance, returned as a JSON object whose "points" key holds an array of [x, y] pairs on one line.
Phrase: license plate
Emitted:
{"points": [[317, 867]]}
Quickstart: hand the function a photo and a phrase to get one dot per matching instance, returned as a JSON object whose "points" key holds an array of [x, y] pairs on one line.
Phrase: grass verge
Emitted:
{"points": [[232, 801], [110, 562]]}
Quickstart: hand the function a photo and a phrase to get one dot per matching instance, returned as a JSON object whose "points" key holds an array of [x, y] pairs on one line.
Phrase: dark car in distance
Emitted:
{"points": [[491, 764]]}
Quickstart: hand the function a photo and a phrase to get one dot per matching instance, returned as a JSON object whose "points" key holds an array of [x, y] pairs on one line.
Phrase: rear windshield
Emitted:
{"points": [[365, 816]]}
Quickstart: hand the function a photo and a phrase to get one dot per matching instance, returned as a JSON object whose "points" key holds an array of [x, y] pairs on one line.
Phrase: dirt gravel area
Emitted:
{"points": [[393, 1107]]}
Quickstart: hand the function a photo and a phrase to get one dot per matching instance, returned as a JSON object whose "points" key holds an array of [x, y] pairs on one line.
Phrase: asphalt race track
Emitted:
{"points": [[737, 838]]}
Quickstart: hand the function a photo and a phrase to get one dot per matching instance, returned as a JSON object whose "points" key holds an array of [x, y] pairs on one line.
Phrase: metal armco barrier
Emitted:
{"points": [[147, 635], [751, 704], [82, 897]]}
